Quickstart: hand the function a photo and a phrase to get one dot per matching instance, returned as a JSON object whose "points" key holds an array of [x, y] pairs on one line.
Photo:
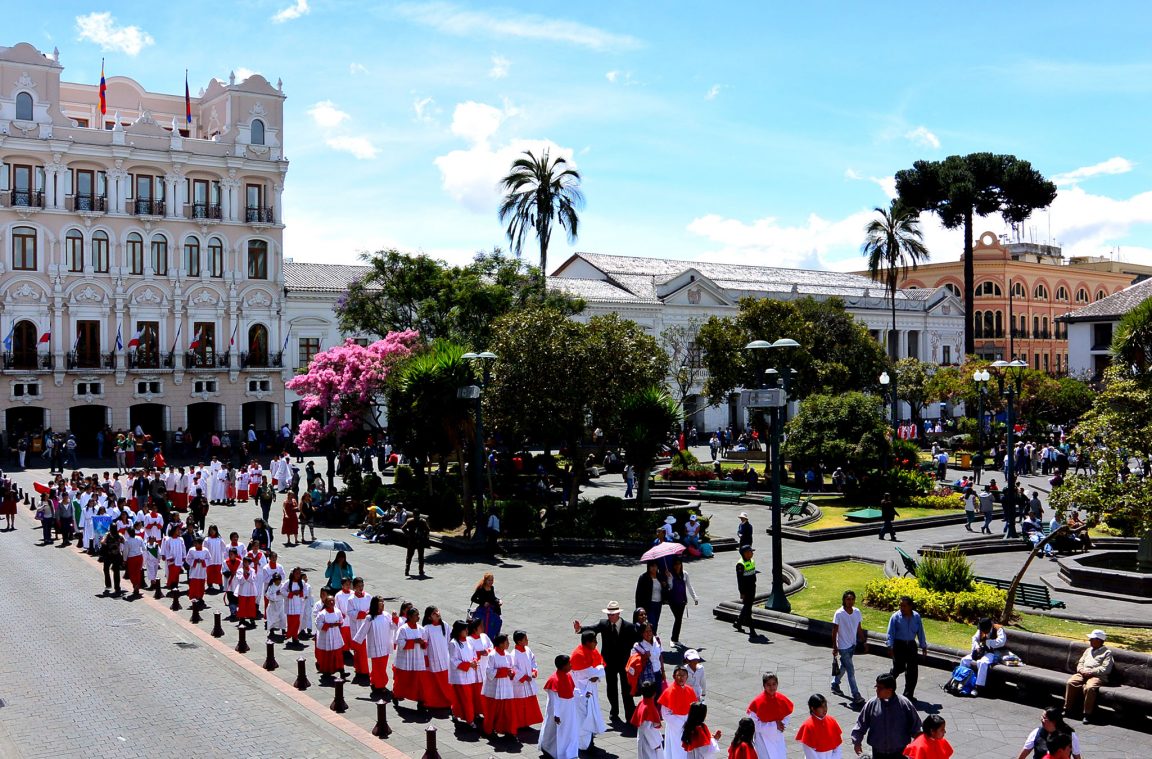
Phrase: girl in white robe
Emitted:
{"points": [[329, 642], [214, 545], [378, 634], [276, 610], [524, 686], [437, 690], [500, 715], [410, 655], [464, 676]]}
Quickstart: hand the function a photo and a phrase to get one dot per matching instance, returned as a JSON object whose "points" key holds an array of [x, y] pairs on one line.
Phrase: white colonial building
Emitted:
{"points": [[138, 224], [659, 292], [1091, 329]]}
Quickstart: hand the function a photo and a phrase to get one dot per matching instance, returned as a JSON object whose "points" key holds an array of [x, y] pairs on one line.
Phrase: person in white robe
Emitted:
{"points": [[560, 735], [588, 673]]}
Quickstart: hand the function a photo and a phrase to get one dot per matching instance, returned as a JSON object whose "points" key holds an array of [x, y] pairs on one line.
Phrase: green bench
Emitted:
{"points": [[1027, 594], [724, 490], [910, 564], [792, 501]]}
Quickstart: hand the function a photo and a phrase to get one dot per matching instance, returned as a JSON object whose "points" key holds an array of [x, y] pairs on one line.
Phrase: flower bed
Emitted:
{"points": [[964, 606]]}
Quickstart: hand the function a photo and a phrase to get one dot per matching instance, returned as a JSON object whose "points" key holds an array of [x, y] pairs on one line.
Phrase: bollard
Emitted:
{"points": [[176, 600], [302, 682], [217, 628], [196, 618], [430, 752], [158, 591], [270, 658], [242, 644], [381, 730], [339, 705]]}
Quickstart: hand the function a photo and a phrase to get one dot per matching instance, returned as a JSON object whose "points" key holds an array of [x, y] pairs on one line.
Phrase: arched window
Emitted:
{"points": [[257, 259], [978, 324], [1040, 293], [160, 255], [999, 324], [24, 248], [215, 257], [135, 253], [1082, 295], [24, 345], [23, 106], [1062, 293], [1018, 290], [74, 250], [257, 132], [954, 289], [989, 324], [257, 345], [192, 257], [1101, 295], [988, 288], [1036, 326], [100, 251], [1044, 327]]}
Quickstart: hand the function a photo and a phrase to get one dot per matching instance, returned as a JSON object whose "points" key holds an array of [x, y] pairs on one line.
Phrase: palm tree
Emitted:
{"points": [[646, 418], [893, 244], [1132, 345], [536, 191]]}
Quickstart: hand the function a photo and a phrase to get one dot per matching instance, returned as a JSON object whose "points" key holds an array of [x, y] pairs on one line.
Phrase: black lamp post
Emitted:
{"points": [[778, 601], [888, 383], [980, 377], [1013, 371], [476, 392]]}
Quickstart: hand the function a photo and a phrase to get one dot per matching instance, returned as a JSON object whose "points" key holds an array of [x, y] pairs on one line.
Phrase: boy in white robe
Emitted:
{"points": [[560, 736], [276, 612], [588, 672]]}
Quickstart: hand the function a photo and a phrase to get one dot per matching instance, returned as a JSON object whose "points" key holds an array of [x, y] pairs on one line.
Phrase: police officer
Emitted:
{"points": [[746, 583]]}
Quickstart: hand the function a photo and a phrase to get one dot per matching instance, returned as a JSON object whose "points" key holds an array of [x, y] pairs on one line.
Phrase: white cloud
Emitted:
{"points": [[887, 184], [426, 110], [922, 137], [500, 66], [357, 68], [360, 147], [1115, 165], [624, 78], [243, 73], [851, 173], [452, 19], [713, 91], [472, 176], [327, 115], [292, 12], [101, 28]]}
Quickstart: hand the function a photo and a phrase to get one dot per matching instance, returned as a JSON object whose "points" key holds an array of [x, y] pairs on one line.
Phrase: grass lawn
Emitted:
{"points": [[827, 583], [834, 516]]}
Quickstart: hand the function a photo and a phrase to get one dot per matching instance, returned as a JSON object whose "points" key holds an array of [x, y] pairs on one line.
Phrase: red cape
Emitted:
{"points": [[583, 658], [770, 708], [677, 699], [820, 734], [927, 748], [646, 711], [562, 683]]}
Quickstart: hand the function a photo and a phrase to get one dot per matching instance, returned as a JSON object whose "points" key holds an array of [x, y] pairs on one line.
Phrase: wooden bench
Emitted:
{"points": [[735, 486], [792, 501], [910, 564], [1027, 594], [720, 495]]}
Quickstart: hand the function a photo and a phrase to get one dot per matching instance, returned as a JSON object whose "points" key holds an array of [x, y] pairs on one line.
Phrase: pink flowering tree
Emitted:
{"points": [[344, 384]]}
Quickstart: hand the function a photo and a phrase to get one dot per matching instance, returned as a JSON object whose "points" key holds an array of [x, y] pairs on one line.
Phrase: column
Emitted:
{"points": [[50, 172], [171, 200], [277, 201]]}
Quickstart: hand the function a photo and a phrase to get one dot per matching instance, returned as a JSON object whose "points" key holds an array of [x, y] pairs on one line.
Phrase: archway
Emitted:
{"points": [[21, 419], [84, 422], [259, 415], [203, 419], [150, 417], [24, 345]]}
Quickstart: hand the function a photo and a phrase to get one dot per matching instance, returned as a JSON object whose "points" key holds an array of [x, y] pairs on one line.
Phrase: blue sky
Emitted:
{"points": [[747, 132]]}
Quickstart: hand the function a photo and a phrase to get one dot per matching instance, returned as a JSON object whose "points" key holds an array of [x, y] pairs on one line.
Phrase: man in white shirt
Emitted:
{"points": [[847, 634]]}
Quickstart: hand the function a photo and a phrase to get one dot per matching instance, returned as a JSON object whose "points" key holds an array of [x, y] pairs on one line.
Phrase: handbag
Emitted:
{"points": [[835, 666]]}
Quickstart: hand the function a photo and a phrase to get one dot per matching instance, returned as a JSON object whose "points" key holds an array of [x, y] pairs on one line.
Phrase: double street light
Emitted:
{"points": [[885, 381], [474, 392], [981, 378], [775, 399]]}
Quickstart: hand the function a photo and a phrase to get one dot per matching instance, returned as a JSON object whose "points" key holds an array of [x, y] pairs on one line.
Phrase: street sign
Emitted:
{"points": [[770, 397]]}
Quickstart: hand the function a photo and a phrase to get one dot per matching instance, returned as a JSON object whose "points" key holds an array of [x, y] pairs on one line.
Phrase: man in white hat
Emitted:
{"points": [[1091, 671], [744, 531], [668, 528], [696, 674], [617, 637]]}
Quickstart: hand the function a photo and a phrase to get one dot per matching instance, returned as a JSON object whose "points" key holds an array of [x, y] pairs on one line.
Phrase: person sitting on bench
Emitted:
{"points": [[987, 644]]}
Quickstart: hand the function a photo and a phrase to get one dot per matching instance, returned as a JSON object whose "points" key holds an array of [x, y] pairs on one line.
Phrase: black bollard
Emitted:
{"points": [[381, 730], [217, 628], [158, 591], [339, 705], [270, 659], [242, 644], [430, 752], [302, 682], [196, 618], [176, 600]]}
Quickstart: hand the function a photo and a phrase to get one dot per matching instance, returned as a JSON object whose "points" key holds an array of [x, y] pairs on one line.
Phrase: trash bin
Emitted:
{"points": [[965, 460]]}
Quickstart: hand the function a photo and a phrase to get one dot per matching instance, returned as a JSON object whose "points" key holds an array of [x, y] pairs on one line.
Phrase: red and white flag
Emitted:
{"points": [[134, 343], [46, 337]]}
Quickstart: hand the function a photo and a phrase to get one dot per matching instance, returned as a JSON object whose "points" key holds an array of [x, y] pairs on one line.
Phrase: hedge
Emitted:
{"points": [[967, 606]]}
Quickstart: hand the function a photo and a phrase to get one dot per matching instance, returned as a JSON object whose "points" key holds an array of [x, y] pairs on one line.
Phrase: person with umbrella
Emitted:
{"points": [[337, 571], [651, 590], [679, 588]]}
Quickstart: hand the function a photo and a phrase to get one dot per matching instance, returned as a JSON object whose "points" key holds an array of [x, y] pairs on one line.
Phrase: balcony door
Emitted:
{"points": [[88, 344], [85, 189]]}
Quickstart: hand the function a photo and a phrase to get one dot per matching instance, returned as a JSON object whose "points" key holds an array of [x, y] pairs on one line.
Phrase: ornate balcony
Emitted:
{"points": [[261, 360], [90, 203], [204, 211], [259, 215], [90, 360], [145, 207], [26, 198]]}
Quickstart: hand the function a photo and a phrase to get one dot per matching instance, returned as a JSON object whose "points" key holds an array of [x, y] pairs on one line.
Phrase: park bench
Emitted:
{"points": [[909, 563], [724, 490], [792, 501], [1027, 594]]}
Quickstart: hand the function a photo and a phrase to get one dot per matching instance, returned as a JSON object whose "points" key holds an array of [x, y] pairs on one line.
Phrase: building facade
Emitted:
{"points": [[1021, 289], [140, 253], [1092, 327], [658, 293]]}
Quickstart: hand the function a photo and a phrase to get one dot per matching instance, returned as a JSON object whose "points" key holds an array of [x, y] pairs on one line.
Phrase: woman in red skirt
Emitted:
{"points": [[409, 665], [291, 524], [464, 676], [329, 642], [297, 606], [437, 691], [8, 506]]}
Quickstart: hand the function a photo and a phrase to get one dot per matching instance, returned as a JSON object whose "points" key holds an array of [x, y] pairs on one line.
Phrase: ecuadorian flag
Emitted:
{"points": [[103, 91]]}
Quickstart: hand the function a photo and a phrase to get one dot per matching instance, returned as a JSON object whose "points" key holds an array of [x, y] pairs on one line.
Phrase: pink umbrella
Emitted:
{"points": [[663, 549]]}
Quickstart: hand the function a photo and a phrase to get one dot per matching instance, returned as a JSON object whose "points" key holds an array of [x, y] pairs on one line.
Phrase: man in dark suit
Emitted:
{"points": [[744, 531], [616, 640]]}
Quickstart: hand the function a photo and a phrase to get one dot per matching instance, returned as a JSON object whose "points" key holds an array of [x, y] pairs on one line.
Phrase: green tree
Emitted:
{"points": [[836, 353], [686, 367], [538, 190], [646, 418], [1132, 344], [913, 385], [893, 244], [624, 359], [842, 430], [979, 184]]}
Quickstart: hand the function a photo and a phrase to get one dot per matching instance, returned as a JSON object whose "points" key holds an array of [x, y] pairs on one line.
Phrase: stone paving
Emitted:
{"points": [[540, 594]]}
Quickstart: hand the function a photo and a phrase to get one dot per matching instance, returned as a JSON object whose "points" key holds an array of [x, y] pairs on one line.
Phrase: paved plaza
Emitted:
{"points": [[86, 675]]}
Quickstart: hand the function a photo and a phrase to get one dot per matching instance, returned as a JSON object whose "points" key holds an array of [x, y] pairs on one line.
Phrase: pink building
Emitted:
{"points": [[139, 224]]}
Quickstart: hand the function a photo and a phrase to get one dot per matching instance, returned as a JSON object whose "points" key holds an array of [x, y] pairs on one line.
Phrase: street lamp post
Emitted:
{"points": [[980, 377], [888, 383], [1013, 371], [778, 601], [478, 457]]}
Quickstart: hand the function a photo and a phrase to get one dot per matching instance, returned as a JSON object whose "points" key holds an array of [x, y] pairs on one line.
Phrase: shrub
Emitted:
{"points": [[967, 606], [688, 475], [685, 460], [906, 453], [948, 572], [518, 518], [405, 477], [941, 502], [903, 484]]}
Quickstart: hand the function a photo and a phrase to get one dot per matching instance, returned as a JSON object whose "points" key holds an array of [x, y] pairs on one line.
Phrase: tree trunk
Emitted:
{"points": [[542, 237], [969, 288], [643, 494], [465, 487], [894, 342], [1006, 617]]}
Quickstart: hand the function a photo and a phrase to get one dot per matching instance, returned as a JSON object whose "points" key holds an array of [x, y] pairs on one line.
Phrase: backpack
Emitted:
{"points": [[962, 682]]}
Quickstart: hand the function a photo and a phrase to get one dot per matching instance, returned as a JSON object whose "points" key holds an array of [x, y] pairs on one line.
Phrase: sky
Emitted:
{"points": [[747, 132]]}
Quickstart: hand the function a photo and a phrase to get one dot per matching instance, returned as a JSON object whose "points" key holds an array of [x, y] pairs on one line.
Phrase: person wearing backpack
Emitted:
{"points": [[988, 644]]}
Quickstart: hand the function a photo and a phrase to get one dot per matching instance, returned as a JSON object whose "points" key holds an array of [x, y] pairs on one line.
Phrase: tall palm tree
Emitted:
{"points": [[893, 244], [646, 418], [536, 191]]}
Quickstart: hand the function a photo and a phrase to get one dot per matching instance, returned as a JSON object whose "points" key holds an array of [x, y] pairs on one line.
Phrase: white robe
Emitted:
{"points": [[562, 741], [330, 639], [648, 741], [380, 635], [409, 659], [525, 667], [197, 571], [673, 732], [276, 616], [437, 637], [706, 751], [215, 549], [768, 740], [592, 720], [297, 604], [499, 688], [461, 653]]}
